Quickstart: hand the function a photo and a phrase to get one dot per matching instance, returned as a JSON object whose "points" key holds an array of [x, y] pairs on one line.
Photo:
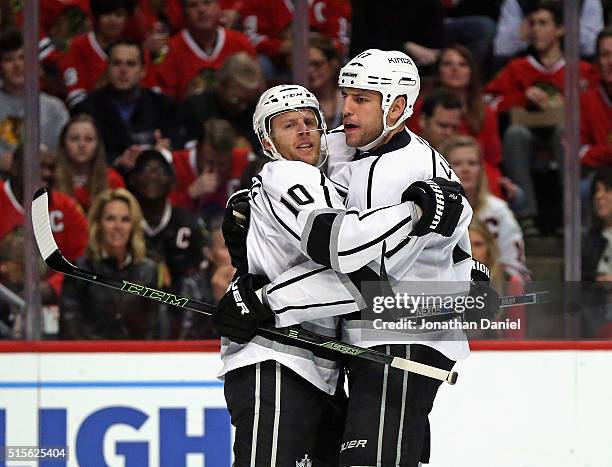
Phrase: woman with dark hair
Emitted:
{"points": [[457, 71], [116, 249], [597, 260], [81, 169], [597, 240]]}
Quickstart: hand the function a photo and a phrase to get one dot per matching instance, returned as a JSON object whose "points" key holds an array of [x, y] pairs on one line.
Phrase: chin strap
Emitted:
{"points": [[385, 132]]}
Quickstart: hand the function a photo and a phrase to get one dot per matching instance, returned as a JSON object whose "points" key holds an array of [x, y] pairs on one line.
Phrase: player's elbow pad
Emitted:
{"points": [[316, 240]]}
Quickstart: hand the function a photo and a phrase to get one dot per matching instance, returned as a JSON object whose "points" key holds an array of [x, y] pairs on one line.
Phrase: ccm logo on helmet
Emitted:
{"points": [[405, 60], [289, 96]]}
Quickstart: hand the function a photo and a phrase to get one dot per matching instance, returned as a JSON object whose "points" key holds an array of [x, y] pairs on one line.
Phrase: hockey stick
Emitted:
{"points": [[525, 299], [55, 260]]}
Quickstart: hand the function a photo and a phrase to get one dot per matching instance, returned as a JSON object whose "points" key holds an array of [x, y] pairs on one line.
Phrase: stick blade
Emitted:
{"points": [[425, 370], [42, 225]]}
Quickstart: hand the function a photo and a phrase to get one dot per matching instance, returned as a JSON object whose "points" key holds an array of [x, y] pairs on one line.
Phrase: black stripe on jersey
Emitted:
{"points": [[337, 184], [398, 247], [325, 191], [280, 221], [376, 240], [459, 255], [317, 245], [314, 305], [289, 206], [433, 154], [433, 162], [397, 141], [296, 279], [370, 177]]}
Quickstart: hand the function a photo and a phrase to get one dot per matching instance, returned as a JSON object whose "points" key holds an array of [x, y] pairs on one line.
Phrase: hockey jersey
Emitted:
{"points": [[296, 213], [186, 172], [176, 241], [501, 222], [185, 59], [68, 224], [595, 127], [508, 88], [373, 180], [82, 67], [266, 22], [81, 190]]}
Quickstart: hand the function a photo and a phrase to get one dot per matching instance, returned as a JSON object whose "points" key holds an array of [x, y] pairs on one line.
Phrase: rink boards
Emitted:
{"points": [[160, 404]]}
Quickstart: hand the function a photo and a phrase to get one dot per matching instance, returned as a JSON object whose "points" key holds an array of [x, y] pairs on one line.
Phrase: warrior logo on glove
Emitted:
{"points": [[439, 204], [440, 200]]}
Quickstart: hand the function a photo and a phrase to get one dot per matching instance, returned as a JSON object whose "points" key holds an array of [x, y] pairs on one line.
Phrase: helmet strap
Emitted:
{"points": [[386, 129]]}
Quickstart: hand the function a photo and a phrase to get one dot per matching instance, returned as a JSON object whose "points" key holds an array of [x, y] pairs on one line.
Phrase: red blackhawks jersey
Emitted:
{"points": [[266, 22], [81, 190], [84, 65], [185, 59], [170, 9], [508, 88], [68, 223], [186, 171], [596, 127]]}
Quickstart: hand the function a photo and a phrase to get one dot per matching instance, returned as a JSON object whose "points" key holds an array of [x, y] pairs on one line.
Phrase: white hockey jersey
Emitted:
{"points": [[500, 220], [296, 213], [371, 181]]}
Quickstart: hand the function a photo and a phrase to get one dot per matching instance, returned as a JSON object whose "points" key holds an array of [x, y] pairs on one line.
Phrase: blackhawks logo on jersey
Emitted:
{"points": [[10, 130]]}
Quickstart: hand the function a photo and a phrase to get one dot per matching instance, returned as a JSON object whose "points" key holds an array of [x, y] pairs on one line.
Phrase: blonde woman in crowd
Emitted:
{"points": [[116, 249], [465, 157], [485, 249], [81, 169]]}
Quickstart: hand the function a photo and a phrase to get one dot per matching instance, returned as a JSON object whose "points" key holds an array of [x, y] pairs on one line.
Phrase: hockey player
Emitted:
{"points": [[279, 396], [372, 160]]}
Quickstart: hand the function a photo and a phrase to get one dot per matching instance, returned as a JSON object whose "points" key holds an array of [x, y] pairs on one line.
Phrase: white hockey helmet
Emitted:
{"points": [[392, 73], [280, 99]]}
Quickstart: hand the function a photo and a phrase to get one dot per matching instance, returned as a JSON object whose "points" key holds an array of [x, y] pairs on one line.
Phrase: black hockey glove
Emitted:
{"points": [[486, 299], [240, 312], [235, 227], [440, 200]]}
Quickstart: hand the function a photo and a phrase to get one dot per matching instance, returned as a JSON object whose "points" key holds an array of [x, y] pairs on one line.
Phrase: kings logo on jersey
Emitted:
{"points": [[306, 462]]}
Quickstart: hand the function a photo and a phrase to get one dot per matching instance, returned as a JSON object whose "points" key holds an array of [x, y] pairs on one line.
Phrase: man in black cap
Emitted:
{"points": [[174, 236]]}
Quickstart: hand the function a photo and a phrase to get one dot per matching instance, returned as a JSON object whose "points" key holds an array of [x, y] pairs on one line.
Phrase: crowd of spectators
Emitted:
{"points": [[146, 129]]}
